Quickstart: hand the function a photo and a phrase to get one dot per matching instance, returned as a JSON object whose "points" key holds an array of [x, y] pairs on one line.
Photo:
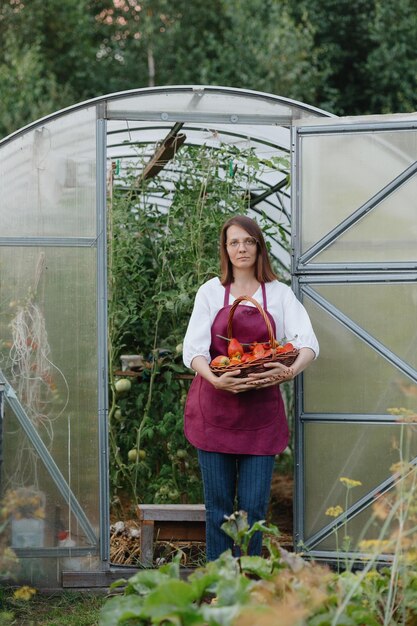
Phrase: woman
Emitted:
{"points": [[238, 425]]}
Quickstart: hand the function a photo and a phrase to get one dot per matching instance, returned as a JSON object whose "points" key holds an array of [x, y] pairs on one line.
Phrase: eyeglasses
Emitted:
{"points": [[249, 242]]}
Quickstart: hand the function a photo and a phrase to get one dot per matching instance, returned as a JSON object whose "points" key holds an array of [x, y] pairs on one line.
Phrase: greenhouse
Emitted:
{"points": [[336, 199]]}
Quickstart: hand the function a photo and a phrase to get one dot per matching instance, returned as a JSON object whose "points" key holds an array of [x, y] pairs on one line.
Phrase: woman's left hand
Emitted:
{"points": [[277, 373], [274, 374]]}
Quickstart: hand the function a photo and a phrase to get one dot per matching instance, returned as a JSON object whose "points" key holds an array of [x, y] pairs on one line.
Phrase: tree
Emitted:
{"points": [[269, 50], [28, 91], [48, 52], [391, 66], [342, 43]]}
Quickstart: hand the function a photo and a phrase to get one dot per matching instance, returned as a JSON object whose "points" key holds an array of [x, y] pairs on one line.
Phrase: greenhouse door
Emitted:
{"points": [[355, 269]]}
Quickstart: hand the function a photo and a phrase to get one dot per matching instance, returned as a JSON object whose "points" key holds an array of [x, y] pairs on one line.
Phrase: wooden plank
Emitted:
{"points": [[146, 543], [172, 512], [180, 531], [87, 580], [103, 580], [169, 522]]}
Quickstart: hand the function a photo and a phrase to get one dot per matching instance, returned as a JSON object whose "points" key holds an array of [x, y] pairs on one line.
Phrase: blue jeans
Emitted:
{"points": [[226, 477]]}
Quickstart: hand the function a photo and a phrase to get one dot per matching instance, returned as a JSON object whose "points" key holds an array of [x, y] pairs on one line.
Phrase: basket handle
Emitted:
{"points": [[261, 311]]}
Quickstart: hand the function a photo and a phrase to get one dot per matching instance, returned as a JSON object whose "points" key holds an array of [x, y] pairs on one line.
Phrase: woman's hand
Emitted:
{"points": [[276, 373], [226, 382], [229, 382]]}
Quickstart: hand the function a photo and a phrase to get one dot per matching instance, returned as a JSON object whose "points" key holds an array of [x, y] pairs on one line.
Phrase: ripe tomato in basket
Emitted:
{"points": [[234, 348], [258, 350], [220, 361], [287, 347]]}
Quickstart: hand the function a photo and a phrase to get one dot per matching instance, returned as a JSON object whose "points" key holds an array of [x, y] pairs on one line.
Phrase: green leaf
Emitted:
{"points": [[233, 591], [257, 565], [215, 615], [145, 581], [121, 608], [203, 582], [171, 598]]}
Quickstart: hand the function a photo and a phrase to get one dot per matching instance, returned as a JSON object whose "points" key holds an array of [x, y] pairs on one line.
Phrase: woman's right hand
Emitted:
{"points": [[229, 382], [226, 382]]}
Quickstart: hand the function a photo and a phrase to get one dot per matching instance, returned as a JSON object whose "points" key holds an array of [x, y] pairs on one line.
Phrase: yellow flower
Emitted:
{"points": [[410, 557], [334, 511], [402, 467], [375, 545], [24, 593], [373, 575], [404, 415], [349, 482]]}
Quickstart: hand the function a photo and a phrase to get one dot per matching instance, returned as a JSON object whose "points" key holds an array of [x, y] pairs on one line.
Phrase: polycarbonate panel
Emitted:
{"points": [[372, 531], [387, 233], [339, 173], [48, 179], [387, 311], [203, 102], [350, 376], [49, 356], [367, 453]]}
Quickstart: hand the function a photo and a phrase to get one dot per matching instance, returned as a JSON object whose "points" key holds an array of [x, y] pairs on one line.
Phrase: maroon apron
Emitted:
{"points": [[251, 422]]}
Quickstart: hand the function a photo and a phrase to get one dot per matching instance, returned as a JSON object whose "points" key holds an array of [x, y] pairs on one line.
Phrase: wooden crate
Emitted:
{"points": [[169, 522]]}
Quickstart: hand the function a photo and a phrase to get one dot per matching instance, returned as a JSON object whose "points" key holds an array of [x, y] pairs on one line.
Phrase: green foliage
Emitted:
{"points": [[236, 526], [28, 91], [345, 56], [282, 588], [285, 588], [64, 33], [365, 49], [342, 43], [275, 52], [391, 65]]}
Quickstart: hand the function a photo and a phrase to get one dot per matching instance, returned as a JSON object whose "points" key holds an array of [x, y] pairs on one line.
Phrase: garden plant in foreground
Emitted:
{"points": [[378, 588]]}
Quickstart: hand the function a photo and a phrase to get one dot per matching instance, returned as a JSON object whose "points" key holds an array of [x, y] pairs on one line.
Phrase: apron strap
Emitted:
{"points": [[264, 296], [227, 296]]}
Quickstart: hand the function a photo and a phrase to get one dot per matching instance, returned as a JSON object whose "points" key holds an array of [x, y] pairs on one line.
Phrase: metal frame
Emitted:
{"points": [[102, 358], [304, 278]]}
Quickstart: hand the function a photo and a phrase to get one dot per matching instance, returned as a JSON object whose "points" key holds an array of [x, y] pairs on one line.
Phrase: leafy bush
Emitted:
{"points": [[282, 588]]}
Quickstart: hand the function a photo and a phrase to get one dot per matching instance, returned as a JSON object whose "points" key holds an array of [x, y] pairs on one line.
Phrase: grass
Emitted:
{"points": [[59, 609]]}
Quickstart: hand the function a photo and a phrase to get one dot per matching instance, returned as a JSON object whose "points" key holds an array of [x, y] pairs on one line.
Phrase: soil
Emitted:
{"points": [[281, 508], [124, 537]]}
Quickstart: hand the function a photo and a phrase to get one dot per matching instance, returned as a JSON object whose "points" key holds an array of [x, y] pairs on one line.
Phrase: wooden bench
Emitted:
{"points": [[181, 522]]}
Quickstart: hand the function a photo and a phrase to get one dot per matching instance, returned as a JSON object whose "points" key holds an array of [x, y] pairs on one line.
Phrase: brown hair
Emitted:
{"points": [[263, 270]]}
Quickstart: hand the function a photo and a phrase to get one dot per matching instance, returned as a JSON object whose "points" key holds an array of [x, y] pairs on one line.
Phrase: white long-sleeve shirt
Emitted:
{"points": [[291, 318]]}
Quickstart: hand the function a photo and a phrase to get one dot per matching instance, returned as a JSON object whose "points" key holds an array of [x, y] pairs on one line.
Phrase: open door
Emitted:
{"points": [[355, 269]]}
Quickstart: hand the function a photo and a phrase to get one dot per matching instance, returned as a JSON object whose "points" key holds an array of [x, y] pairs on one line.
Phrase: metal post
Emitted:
{"points": [[1, 431]]}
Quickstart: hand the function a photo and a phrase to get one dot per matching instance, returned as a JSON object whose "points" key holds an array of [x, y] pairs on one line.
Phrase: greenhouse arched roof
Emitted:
{"points": [[144, 129]]}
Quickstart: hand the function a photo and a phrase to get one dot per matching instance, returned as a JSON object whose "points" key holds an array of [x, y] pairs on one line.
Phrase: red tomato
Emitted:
{"points": [[258, 350], [220, 361], [234, 348]]}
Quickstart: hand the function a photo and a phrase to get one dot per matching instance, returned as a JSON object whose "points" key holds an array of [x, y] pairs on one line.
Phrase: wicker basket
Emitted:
{"points": [[286, 358]]}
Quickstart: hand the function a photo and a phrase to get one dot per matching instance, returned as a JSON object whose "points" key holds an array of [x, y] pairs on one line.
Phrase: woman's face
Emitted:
{"points": [[241, 247]]}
